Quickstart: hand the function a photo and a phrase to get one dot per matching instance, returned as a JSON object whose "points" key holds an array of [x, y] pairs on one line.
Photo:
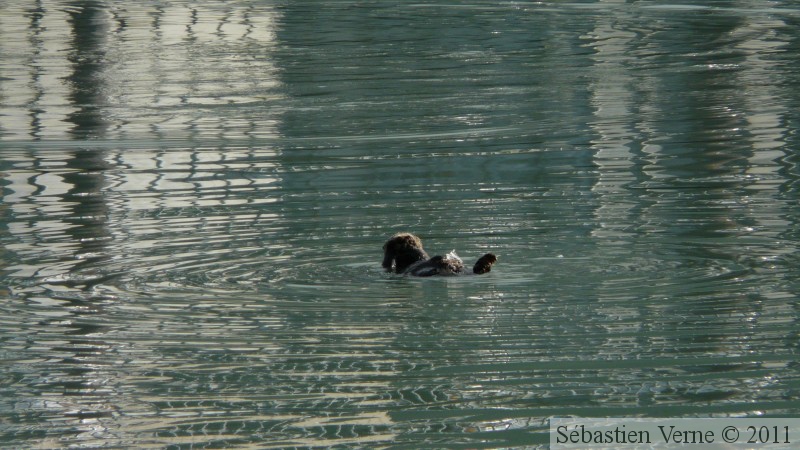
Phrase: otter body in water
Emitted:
{"points": [[403, 254]]}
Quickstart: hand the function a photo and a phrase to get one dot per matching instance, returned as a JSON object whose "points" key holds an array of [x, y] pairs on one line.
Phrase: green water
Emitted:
{"points": [[195, 196]]}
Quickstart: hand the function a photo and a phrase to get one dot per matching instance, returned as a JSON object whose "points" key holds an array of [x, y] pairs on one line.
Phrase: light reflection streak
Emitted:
{"points": [[151, 69], [90, 203]]}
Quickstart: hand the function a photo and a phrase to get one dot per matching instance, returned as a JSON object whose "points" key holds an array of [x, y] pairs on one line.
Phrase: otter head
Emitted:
{"points": [[401, 251]]}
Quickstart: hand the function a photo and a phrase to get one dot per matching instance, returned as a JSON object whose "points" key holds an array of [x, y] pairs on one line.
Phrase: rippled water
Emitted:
{"points": [[195, 196]]}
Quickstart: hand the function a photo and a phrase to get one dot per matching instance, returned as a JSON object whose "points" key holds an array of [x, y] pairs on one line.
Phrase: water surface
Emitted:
{"points": [[195, 196]]}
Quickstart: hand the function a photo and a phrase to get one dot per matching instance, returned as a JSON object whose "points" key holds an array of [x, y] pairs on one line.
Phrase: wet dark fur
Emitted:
{"points": [[403, 253]]}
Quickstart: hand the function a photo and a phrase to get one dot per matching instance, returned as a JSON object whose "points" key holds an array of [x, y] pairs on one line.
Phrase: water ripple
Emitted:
{"points": [[195, 197]]}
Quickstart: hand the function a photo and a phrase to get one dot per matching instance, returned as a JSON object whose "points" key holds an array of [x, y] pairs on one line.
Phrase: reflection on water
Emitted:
{"points": [[195, 196], [93, 69]]}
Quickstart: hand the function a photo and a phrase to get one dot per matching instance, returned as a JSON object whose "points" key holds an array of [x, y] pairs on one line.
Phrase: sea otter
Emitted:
{"points": [[403, 254]]}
